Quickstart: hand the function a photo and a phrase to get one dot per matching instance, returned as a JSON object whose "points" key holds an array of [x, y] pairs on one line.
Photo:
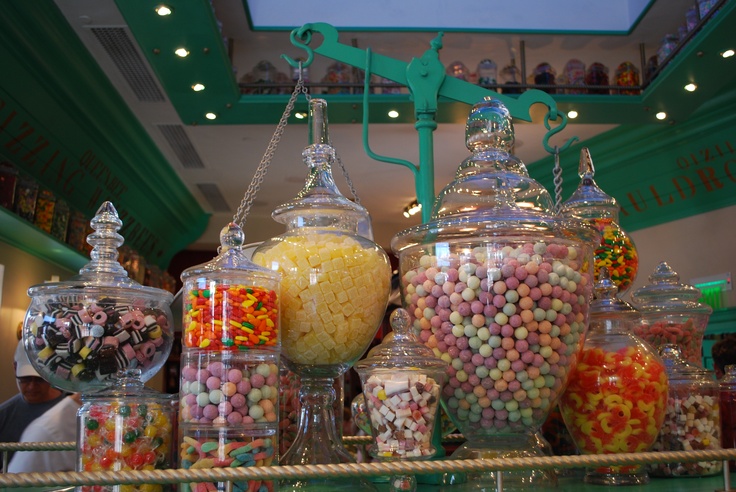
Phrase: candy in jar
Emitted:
{"points": [[627, 75], [617, 397], [692, 422], [545, 75], [596, 74], [616, 251], [487, 73], [671, 313], [574, 74], [458, 70], [44, 215], [127, 427]]}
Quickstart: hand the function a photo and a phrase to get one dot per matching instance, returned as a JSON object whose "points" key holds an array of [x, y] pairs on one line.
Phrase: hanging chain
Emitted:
{"points": [[347, 178], [255, 184], [557, 180]]}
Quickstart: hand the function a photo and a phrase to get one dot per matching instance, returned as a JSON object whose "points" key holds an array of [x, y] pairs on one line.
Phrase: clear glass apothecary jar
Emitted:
{"points": [[81, 333], [692, 421], [499, 289], [334, 291], [671, 313], [617, 397]]}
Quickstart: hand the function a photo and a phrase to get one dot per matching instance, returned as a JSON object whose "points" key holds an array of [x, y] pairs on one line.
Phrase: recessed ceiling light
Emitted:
{"points": [[728, 54], [661, 115], [163, 10], [300, 115], [572, 114], [198, 87], [182, 52], [691, 87], [393, 114], [210, 116]]}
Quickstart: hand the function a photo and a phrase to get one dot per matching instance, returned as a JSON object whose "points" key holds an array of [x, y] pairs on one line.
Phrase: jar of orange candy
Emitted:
{"points": [[617, 397]]}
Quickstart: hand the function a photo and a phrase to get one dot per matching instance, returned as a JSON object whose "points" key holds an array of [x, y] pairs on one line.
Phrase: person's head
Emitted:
{"points": [[724, 354], [31, 385]]}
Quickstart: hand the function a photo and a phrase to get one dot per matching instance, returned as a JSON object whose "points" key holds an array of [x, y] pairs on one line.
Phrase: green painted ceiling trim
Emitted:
{"points": [[53, 85], [660, 173]]}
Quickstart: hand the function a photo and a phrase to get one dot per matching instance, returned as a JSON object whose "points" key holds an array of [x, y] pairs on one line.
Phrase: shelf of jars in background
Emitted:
{"points": [[39, 208], [574, 78]]}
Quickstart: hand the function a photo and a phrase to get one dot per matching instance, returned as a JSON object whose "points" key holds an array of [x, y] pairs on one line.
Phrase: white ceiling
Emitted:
{"points": [[231, 153]]}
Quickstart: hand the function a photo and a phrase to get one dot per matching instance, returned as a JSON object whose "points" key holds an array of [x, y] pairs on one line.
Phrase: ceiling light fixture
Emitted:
{"points": [[300, 115], [572, 114], [393, 114], [728, 53], [163, 10], [198, 87], [691, 87], [182, 52], [661, 115], [210, 116], [412, 209]]}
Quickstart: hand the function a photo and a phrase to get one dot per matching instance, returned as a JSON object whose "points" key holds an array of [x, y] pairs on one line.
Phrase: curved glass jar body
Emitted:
{"points": [[126, 427], [230, 303], [499, 289], [616, 251], [671, 313], [617, 399], [79, 333], [692, 421]]}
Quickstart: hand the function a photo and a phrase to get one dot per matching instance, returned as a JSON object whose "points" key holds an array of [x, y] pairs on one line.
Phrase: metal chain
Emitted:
{"points": [[557, 173], [347, 178], [255, 184]]}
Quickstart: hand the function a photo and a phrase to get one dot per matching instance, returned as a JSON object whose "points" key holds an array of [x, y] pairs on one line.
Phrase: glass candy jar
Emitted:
{"points": [[335, 287], [692, 422], [727, 394], [617, 398], [616, 251], [401, 381], [671, 313], [499, 289], [230, 303], [126, 427], [80, 333]]}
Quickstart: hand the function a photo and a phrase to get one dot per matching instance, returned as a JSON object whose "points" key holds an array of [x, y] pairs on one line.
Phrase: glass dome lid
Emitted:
{"points": [[492, 193], [103, 272], [665, 293], [589, 200], [320, 202]]}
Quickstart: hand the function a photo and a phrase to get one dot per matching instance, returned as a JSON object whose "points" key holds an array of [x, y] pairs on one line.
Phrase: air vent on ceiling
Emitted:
{"points": [[214, 197], [182, 146], [122, 51]]}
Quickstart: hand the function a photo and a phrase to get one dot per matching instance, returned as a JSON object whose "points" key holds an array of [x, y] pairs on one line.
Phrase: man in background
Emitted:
{"points": [[724, 354], [35, 398]]}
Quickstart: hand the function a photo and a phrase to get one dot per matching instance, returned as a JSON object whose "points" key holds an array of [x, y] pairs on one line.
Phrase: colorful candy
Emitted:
{"points": [[80, 343], [126, 436], [203, 449], [615, 402], [230, 317], [231, 390], [333, 295], [688, 336], [510, 320], [692, 423], [617, 253], [402, 407]]}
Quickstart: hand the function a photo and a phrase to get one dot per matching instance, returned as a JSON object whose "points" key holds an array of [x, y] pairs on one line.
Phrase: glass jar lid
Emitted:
{"points": [[320, 202], [665, 293], [103, 275], [232, 258], [588, 200], [606, 304], [678, 368], [492, 193], [130, 388], [402, 350]]}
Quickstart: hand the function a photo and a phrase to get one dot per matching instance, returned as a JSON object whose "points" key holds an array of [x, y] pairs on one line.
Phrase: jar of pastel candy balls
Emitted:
{"points": [[693, 421], [82, 334], [616, 251], [127, 427], [499, 289], [671, 313], [617, 398]]}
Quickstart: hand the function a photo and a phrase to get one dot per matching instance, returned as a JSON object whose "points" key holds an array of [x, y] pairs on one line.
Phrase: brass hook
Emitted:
{"points": [[301, 37], [551, 132]]}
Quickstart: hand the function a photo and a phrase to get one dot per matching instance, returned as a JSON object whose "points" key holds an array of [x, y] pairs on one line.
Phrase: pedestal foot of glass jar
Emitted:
{"points": [[617, 475]]}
